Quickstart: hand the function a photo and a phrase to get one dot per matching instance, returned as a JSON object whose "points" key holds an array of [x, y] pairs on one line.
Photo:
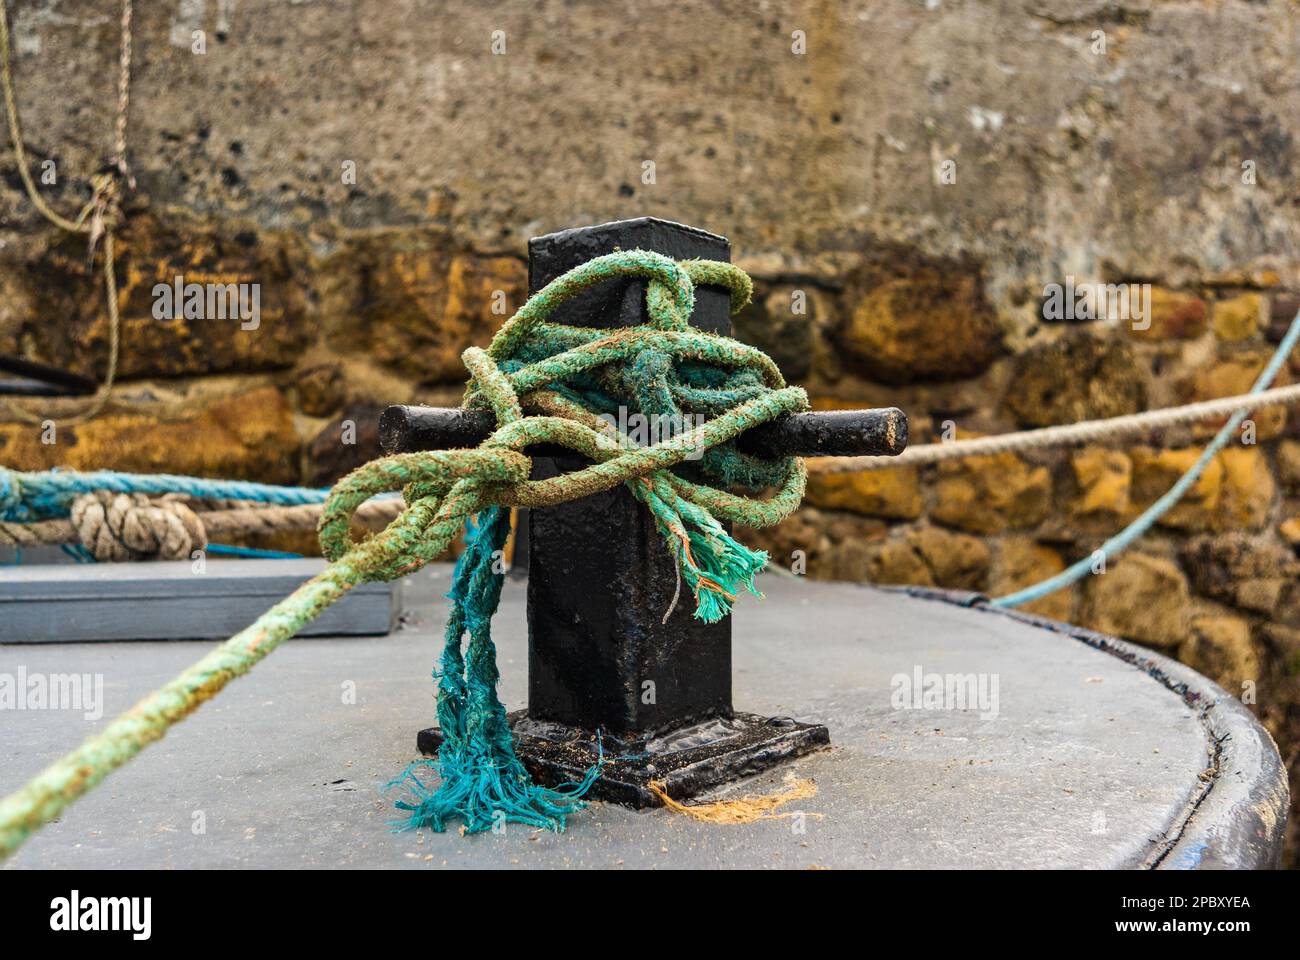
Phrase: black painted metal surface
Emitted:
{"points": [[601, 654], [685, 761], [831, 433], [621, 303]]}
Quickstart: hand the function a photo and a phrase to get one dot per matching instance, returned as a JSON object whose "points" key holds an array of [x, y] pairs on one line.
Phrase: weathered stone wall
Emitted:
{"points": [[915, 178]]}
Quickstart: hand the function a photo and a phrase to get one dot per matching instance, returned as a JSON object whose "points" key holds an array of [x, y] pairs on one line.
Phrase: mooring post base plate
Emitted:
{"points": [[683, 762]]}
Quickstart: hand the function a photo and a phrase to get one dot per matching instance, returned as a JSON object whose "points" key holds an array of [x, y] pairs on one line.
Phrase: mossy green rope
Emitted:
{"points": [[563, 377]]}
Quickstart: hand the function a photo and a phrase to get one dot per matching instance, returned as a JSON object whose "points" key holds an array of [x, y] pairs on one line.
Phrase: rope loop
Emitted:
{"points": [[567, 386], [99, 217], [487, 380], [670, 295], [423, 476]]}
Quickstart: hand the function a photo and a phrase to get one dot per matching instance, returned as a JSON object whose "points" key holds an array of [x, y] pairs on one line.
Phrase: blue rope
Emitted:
{"points": [[48, 494], [78, 553], [1148, 518], [255, 553]]}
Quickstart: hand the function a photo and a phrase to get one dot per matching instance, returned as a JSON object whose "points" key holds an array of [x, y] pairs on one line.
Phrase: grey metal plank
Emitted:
{"points": [[164, 601]]}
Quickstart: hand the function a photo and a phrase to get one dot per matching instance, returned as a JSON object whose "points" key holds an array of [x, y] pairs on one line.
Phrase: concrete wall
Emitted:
{"points": [[919, 174], [1068, 160]]}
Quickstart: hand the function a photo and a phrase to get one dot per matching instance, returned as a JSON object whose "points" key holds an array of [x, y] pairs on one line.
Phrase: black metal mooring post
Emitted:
{"points": [[603, 661], [600, 578]]}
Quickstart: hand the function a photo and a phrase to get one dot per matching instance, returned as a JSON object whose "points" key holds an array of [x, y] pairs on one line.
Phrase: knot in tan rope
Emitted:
{"points": [[133, 526]]}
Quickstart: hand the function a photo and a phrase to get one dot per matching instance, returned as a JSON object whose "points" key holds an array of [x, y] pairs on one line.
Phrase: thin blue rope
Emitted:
{"points": [[255, 553], [1148, 518], [78, 553], [48, 494]]}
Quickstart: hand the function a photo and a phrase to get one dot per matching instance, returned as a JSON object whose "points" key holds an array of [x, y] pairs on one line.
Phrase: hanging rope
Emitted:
{"points": [[99, 217], [546, 383]]}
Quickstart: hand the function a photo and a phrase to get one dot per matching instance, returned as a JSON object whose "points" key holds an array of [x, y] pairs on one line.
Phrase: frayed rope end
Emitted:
{"points": [[482, 799]]}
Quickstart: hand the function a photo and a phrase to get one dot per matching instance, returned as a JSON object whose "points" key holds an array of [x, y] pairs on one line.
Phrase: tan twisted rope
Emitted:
{"points": [[117, 527], [1089, 431], [125, 526], [98, 218]]}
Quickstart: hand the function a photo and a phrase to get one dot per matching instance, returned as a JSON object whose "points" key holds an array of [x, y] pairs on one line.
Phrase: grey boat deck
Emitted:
{"points": [[1091, 761]]}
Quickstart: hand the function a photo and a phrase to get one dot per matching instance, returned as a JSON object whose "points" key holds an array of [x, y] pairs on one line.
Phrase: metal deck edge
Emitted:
{"points": [[1235, 820]]}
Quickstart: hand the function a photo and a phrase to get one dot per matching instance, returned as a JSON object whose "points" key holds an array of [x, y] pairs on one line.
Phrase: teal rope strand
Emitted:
{"points": [[251, 553], [43, 495], [482, 779], [1153, 513]]}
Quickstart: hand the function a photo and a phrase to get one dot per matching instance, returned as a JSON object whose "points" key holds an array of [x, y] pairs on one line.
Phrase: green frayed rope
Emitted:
{"points": [[482, 781], [565, 377]]}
